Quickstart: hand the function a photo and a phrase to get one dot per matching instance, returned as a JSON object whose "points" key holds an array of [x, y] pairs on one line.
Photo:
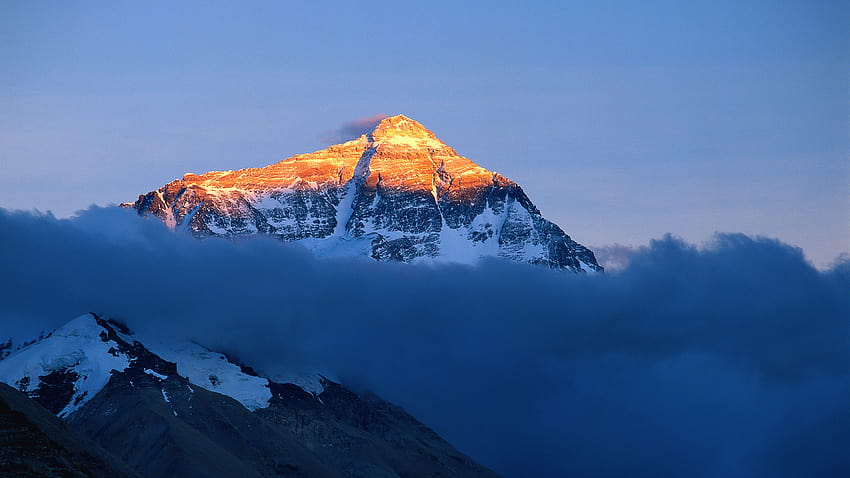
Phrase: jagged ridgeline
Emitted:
{"points": [[395, 193], [180, 410]]}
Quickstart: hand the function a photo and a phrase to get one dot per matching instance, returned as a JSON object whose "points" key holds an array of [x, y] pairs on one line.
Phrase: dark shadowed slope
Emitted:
{"points": [[34, 442], [196, 413]]}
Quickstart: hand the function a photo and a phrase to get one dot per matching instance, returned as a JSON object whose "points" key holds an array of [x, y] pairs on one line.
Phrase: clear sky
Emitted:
{"points": [[622, 120]]}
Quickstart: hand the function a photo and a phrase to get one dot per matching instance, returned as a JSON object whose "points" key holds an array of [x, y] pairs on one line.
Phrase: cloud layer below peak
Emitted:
{"points": [[724, 360]]}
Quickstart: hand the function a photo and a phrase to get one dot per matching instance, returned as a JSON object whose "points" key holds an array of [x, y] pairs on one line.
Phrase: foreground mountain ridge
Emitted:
{"points": [[395, 193], [166, 409]]}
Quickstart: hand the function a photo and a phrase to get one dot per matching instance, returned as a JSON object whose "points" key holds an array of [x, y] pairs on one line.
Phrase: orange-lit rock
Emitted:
{"points": [[398, 191], [406, 156]]}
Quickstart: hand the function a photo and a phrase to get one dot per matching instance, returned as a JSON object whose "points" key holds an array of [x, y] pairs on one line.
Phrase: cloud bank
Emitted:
{"points": [[725, 360]]}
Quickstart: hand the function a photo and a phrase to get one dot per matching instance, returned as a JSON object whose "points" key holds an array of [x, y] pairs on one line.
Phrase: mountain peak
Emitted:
{"points": [[400, 126], [395, 193]]}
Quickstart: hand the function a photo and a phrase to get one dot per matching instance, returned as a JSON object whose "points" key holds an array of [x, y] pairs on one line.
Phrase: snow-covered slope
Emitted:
{"points": [[183, 410], [67, 367], [396, 193], [72, 364]]}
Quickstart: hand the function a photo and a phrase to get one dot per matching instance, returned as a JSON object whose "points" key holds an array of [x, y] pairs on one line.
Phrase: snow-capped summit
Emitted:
{"points": [[395, 193], [67, 368]]}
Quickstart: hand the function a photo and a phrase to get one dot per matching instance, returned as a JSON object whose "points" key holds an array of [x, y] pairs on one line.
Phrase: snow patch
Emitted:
{"points": [[345, 207], [212, 371], [154, 374], [75, 347], [311, 383]]}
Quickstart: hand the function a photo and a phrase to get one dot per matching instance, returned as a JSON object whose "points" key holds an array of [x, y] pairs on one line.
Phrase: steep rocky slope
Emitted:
{"points": [[395, 193]]}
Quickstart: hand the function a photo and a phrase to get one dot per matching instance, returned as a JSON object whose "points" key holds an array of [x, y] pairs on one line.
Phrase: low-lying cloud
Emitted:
{"points": [[724, 360]]}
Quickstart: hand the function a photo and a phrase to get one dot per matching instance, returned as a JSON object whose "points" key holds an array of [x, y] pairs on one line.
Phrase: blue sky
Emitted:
{"points": [[622, 120]]}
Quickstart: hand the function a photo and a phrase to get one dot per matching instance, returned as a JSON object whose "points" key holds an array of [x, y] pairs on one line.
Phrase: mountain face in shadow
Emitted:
{"points": [[183, 410]]}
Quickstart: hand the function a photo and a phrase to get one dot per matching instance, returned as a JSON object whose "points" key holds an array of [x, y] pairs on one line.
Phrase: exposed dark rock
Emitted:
{"points": [[35, 443]]}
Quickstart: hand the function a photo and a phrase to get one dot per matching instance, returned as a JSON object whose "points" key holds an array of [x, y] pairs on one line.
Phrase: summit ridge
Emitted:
{"points": [[394, 193], [401, 126]]}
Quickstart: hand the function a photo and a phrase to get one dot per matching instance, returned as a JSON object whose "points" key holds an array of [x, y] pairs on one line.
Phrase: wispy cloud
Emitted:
{"points": [[353, 129], [614, 257]]}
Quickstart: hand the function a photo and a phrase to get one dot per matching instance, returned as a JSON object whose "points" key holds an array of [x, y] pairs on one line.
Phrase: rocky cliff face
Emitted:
{"points": [[396, 193], [182, 410]]}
